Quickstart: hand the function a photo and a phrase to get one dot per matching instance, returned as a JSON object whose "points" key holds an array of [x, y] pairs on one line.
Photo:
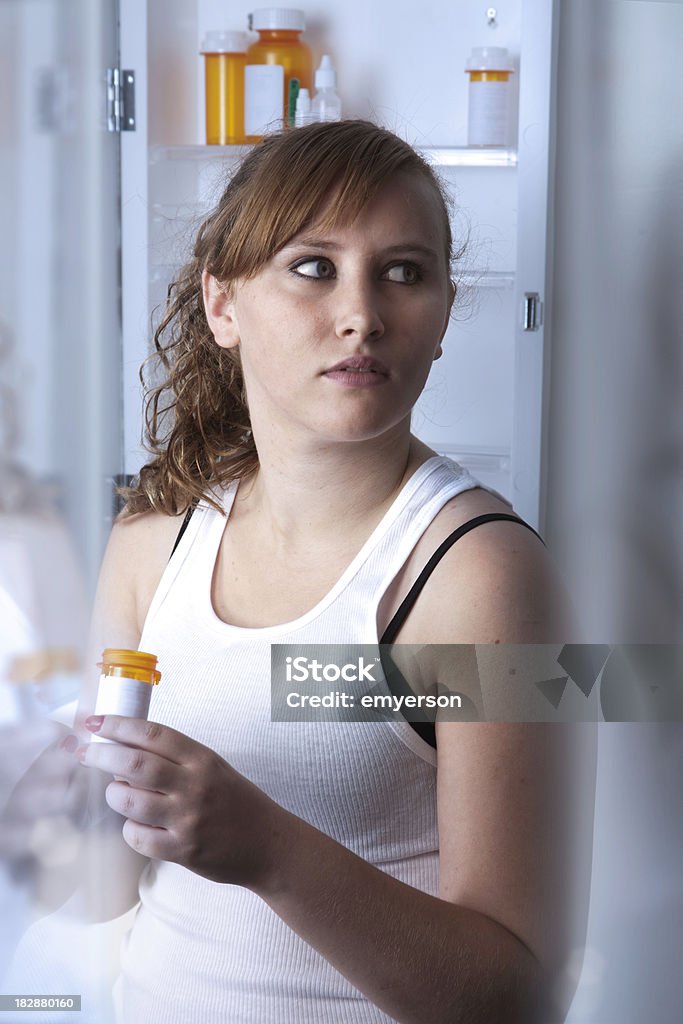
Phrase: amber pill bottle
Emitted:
{"points": [[224, 60]]}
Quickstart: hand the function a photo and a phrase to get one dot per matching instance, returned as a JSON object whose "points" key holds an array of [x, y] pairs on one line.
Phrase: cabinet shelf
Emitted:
{"points": [[489, 279], [479, 459], [196, 154], [445, 156], [464, 156]]}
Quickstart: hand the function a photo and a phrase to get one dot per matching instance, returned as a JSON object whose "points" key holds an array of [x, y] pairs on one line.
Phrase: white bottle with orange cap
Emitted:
{"points": [[125, 684], [489, 68]]}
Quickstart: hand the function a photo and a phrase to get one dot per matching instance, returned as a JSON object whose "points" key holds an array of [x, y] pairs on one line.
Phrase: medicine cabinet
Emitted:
{"points": [[405, 68]]}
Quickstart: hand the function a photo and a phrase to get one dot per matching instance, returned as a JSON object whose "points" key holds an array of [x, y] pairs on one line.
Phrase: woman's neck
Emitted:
{"points": [[308, 497]]}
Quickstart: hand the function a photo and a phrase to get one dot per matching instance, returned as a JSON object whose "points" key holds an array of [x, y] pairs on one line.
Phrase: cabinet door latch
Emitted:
{"points": [[533, 311], [120, 100]]}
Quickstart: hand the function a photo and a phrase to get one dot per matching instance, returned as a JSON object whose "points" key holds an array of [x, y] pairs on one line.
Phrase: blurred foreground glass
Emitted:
{"points": [[60, 356]]}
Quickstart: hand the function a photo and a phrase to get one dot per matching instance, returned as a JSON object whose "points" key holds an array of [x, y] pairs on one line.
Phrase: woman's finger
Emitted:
{"points": [[139, 768], [149, 840], [138, 732], [140, 805]]}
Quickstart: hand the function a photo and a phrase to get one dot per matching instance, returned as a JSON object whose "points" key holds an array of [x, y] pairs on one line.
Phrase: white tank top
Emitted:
{"points": [[201, 951]]}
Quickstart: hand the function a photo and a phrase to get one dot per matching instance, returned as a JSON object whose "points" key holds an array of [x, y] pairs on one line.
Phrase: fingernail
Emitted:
{"points": [[80, 753], [94, 723], [69, 743]]}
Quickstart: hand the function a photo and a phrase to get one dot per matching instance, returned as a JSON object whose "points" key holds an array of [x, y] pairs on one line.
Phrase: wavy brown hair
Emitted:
{"points": [[197, 425]]}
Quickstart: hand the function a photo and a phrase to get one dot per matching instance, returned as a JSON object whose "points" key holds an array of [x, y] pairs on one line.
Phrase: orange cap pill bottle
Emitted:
{"points": [[224, 60], [279, 43], [489, 68], [126, 683]]}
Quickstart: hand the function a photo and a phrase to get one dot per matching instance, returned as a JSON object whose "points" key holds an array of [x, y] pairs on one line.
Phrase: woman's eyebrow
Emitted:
{"points": [[318, 243], [424, 250], [321, 243]]}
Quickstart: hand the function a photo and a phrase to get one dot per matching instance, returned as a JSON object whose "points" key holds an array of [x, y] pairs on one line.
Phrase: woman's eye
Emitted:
{"points": [[317, 269], [409, 273]]}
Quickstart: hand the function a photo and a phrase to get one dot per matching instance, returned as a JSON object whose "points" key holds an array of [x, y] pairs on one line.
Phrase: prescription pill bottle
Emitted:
{"points": [[489, 68], [279, 43], [126, 684], [224, 60]]}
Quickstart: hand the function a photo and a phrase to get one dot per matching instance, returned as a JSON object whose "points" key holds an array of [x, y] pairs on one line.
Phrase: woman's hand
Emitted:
{"points": [[42, 821], [184, 803], [47, 799]]}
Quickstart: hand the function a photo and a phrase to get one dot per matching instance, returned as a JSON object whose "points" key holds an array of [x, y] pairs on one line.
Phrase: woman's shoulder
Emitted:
{"points": [[465, 506], [147, 533], [144, 540], [496, 584]]}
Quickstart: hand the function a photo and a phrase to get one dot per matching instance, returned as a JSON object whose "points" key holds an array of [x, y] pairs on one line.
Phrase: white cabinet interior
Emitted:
{"points": [[484, 399]]}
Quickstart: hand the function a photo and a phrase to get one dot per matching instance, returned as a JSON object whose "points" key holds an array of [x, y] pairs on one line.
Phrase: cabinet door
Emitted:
{"points": [[484, 400], [536, 171], [135, 269]]}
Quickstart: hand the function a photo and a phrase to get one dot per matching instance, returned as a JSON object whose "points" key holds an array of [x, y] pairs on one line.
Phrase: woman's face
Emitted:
{"points": [[377, 290]]}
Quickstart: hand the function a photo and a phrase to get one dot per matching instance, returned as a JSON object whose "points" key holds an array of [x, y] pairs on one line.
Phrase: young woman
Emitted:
{"points": [[306, 871]]}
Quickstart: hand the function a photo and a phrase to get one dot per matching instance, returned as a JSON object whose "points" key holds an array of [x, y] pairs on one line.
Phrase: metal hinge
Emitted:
{"points": [[533, 311], [120, 100]]}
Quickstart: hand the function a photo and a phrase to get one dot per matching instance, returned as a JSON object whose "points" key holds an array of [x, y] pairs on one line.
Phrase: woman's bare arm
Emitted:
{"points": [[515, 805]]}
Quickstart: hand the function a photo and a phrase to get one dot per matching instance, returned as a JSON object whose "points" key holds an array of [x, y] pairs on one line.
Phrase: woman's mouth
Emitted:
{"points": [[358, 372], [360, 364], [351, 376]]}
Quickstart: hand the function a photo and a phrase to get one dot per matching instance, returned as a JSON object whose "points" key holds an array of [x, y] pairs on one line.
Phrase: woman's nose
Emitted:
{"points": [[358, 310]]}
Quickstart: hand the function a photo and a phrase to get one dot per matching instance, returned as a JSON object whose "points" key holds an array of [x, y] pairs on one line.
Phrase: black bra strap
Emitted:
{"points": [[186, 520], [401, 615]]}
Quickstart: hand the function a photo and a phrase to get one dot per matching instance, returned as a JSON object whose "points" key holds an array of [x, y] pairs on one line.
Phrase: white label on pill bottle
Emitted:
{"points": [[488, 113], [120, 696], [264, 98]]}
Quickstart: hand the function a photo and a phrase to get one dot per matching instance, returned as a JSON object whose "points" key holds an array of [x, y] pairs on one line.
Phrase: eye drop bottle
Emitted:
{"points": [[326, 103], [303, 114], [126, 684]]}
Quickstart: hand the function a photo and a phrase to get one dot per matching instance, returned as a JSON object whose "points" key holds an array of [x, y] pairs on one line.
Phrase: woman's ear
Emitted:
{"points": [[219, 307]]}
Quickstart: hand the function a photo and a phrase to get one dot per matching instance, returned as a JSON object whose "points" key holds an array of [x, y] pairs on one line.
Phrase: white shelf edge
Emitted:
{"points": [[196, 153], [489, 279], [438, 156], [475, 457], [464, 156]]}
